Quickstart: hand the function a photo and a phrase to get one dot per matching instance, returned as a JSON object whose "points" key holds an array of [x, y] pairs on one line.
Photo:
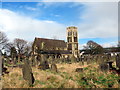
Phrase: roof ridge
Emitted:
{"points": [[49, 39]]}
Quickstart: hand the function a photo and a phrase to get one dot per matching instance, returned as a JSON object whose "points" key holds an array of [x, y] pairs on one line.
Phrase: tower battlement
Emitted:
{"points": [[71, 27]]}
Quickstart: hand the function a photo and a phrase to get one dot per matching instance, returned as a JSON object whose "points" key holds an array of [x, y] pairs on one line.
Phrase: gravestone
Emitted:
{"points": [[102, 59], [79, 70], [54, 67], [43, 63], [88, 60], [1, 66], [27, 73], [110, 65], [3, 70], [118, 61], [104, 67], [108, 57]]}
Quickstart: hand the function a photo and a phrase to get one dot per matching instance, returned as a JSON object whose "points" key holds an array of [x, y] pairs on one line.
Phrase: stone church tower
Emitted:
{"points": [[72, 40]]}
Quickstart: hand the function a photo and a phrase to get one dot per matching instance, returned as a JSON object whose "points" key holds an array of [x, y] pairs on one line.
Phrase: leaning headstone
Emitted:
{"points": [[104, 67], [118, 61], [54, 67], [27, 73]]}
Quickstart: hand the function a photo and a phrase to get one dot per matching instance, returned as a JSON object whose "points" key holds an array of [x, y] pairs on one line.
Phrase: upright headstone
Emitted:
{"points": [[27, 73], [110, 64], [118, 61], [54, 67], [43, 63], [104, 67], [1, 66]]}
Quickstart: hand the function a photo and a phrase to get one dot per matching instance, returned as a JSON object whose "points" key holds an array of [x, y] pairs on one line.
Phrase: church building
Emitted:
{"points": [[58, 48]]}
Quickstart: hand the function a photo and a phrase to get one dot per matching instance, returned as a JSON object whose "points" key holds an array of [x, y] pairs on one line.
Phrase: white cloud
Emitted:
{"points": [[16, 26], [81, 46], [99, 20], [111, 44], [104, 45]]}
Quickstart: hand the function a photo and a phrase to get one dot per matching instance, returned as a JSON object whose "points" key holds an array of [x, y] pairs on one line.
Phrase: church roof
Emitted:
{"points": [[50, 43]]}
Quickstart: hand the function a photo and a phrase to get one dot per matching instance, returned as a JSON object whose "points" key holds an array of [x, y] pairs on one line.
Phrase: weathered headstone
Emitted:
{"points": [[79, 70], [110, 64], [104, 67], [43, 63], [118, 61], [54, 67], [1, 66], [27, 73], [3, 70]]}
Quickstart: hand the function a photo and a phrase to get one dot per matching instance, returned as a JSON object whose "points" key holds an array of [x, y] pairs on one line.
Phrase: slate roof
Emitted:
{"points": [[50, 43]]}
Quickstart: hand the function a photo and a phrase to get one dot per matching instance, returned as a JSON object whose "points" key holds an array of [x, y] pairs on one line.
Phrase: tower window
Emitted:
{"points": [[75, 39], [69, 33], [69, 39], [69, 47]]}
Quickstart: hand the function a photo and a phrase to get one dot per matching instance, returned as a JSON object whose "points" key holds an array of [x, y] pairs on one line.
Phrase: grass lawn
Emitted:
{"points": [[66, 77]]}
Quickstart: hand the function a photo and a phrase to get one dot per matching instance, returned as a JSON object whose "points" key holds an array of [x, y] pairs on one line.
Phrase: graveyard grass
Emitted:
{"points": [[66, 77]]}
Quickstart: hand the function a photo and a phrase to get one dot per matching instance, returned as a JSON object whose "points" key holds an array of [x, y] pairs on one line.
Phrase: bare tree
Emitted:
{"points": [[20, 45], [3, 40], [28, 48], [93, 47], [8, 46]]}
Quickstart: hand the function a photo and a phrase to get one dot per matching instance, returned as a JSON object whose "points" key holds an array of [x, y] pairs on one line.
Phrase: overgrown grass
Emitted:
{"points": [[66, 77]]}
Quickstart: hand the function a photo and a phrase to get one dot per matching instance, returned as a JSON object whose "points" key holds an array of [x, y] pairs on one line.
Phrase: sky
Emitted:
{"points": [[97, 21]]}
